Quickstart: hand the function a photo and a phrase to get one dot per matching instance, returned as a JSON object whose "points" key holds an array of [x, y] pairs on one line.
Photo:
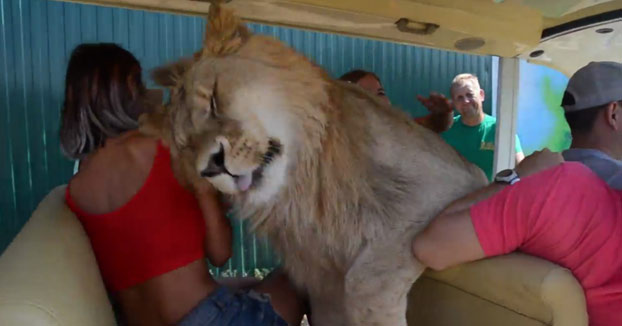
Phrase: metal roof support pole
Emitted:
{"points": [[507, 108]]}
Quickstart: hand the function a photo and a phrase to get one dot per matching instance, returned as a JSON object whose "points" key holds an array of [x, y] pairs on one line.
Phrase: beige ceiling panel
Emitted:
{"points": [[494, 25]]}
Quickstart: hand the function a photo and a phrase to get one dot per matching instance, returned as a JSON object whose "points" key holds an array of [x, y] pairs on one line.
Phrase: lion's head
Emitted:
{"points": [[243, 109]]}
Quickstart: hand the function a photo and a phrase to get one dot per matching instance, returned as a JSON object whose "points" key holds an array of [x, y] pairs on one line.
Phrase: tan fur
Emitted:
{"points": [[354, 183]]}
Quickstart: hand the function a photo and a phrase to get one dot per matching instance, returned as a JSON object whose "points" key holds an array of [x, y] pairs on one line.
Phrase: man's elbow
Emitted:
{"points": [[429, 246], [437, 265], [425, 253]]}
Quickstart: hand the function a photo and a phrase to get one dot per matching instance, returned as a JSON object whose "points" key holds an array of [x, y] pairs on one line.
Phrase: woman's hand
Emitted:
{"points": [[436, 103]]}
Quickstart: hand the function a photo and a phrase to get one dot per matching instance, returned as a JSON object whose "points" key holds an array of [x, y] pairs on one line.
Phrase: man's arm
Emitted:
{"points": [[519, 157], [218, 235], [519, 150], [475, 197], [536, 162], [450, 239]]}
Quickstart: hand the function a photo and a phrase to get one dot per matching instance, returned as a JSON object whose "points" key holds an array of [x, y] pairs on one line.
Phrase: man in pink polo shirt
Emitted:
{"points": [[561, 212]]}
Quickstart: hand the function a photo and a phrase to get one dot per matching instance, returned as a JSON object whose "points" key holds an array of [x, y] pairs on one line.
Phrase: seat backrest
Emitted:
{"points": [[514, 289], [49, 275]]}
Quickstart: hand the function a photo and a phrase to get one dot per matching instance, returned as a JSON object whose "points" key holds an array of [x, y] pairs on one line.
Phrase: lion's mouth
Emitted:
{"points": [[244, 182]]}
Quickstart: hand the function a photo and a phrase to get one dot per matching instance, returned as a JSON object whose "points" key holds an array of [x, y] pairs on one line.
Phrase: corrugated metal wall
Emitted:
{"points": [[37, 36]]}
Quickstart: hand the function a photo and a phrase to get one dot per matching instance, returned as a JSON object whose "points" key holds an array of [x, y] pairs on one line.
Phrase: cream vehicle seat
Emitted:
{"points": [[49, 276]]}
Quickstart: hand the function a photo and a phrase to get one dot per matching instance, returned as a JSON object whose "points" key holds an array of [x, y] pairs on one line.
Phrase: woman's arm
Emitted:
{"points": [[218, 235], [441, 116]]}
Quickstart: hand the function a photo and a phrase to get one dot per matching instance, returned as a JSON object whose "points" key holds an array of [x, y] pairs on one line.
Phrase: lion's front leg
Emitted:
{"points": [[327, 308], [378, 282]]}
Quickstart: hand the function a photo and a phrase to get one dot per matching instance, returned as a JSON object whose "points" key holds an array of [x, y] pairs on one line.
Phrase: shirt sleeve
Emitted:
{"points": [[519, 149], [518, 213]]}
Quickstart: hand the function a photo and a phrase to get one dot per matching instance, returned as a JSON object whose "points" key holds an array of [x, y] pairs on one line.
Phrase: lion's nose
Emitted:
{"points": [[216, 164]]}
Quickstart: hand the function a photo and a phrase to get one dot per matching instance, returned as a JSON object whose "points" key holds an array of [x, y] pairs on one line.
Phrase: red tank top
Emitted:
{"points": [[159, 229]]}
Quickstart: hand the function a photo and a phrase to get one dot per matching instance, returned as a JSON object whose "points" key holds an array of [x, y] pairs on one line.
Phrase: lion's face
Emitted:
{"points": [[243, 109], [231, 120]]}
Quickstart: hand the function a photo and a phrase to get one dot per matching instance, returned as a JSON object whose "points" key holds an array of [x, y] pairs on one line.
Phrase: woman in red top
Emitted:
{"points": [[150, 236]]}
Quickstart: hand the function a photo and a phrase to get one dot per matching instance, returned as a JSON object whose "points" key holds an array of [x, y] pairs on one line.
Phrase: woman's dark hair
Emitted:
{"points": [[354, 76], [103, 97]]}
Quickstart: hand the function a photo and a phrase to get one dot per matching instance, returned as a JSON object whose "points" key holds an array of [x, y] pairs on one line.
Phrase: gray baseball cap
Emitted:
{"points": [[596, 84]]}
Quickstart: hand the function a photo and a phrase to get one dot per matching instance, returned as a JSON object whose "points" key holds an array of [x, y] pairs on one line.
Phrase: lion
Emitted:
{"points": [[339, 182]]}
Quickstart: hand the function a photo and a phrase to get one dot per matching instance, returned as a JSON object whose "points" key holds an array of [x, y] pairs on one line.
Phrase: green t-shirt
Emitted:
{"points": [[476, 144]]}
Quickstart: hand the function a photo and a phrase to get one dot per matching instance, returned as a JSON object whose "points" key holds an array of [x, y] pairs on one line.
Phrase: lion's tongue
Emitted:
{"points": [[244, 181]]}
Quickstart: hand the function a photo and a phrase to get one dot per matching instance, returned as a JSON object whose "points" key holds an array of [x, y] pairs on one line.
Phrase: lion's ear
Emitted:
{"points": [[225, 33], [169, 75]]}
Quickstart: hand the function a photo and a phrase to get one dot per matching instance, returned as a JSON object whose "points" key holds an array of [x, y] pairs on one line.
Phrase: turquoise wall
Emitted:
{"points": [[37, 36]]}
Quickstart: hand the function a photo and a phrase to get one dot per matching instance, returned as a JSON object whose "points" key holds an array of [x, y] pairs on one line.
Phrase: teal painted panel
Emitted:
{"points": [[37, 36], [405, 71], [25, 115]]}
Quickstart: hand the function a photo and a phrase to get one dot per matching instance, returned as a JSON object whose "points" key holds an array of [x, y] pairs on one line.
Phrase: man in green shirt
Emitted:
{"points": [[472, 133]]}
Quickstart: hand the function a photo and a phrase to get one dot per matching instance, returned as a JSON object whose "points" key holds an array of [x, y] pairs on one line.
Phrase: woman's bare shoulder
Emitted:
{"points": [[139, 149], [118, 169]]}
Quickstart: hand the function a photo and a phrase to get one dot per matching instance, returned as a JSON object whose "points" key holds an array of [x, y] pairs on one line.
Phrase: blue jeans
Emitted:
{"points": [[225, 307]]}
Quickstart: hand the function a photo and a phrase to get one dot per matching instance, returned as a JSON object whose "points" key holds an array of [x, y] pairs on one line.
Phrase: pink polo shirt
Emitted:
{"points": [[566, 215]]}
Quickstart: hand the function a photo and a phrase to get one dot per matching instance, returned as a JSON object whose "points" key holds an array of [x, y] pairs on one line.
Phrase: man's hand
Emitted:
{"points": [[436, 103], [538, 161]]}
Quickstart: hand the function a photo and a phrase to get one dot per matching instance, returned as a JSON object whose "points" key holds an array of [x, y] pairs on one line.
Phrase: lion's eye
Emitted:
{"points": [[177, 93], [214, 100], [213, 106]]}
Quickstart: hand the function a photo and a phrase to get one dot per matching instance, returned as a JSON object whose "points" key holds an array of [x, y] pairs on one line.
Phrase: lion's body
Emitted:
{"points": [[375, 183], [354, 183]]}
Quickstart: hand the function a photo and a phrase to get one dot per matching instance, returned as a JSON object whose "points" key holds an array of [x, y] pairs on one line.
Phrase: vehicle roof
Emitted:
{"points": [[565, 31]]}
